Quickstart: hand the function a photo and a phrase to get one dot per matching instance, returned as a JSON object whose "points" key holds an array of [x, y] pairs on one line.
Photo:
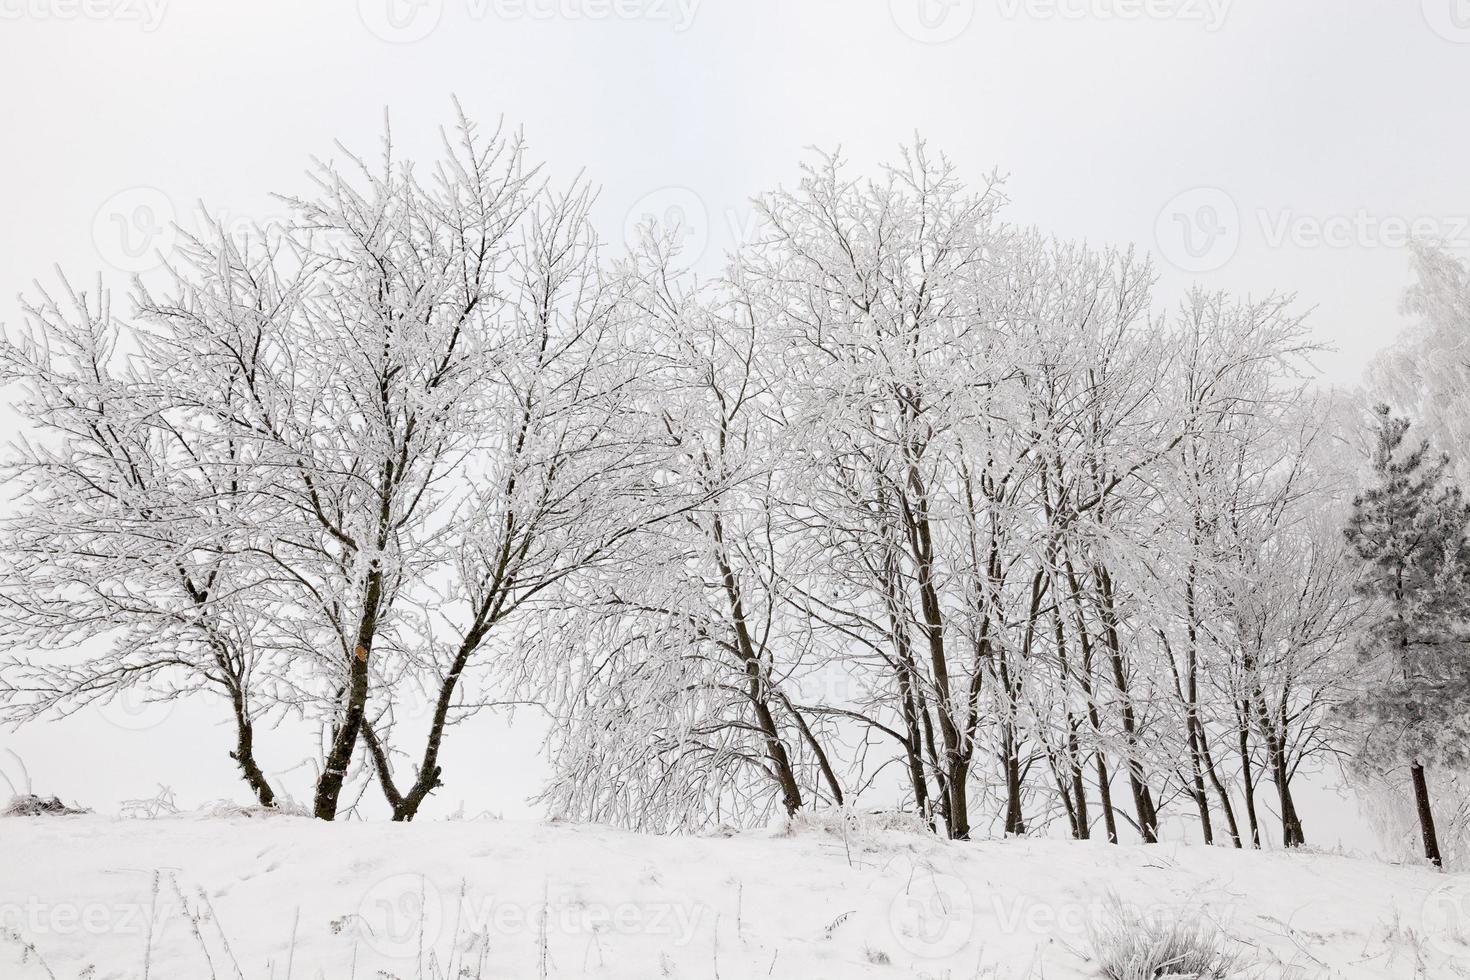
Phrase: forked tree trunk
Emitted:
{"points": [[756, 684], [1148, 818], [1077, 805], [1094, 717], [1248, 779], [1248, 782], [344, 739], [1220, 790], [1292, 834]]}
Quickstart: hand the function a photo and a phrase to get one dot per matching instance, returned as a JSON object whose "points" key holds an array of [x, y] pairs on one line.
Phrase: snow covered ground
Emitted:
{"points": [[189, 898]]}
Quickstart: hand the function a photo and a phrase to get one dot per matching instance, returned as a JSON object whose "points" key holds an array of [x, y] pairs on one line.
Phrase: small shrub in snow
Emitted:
{"points": [[1130, 945], [229, 808], [849, 822], [876, 956], [31, 805], [161, 804]]}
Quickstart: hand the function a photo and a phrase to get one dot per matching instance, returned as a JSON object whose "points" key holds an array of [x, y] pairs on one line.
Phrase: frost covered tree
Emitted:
{"points": [[1409, 531], [350, 358], [371, 442], [1426, 372], [909, 508], [675, 701], [132, 536], [1284, 608], [878, 293]]}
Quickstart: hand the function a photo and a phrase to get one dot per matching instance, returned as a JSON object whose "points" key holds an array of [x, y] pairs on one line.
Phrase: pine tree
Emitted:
{"points": [[1409, 530]]}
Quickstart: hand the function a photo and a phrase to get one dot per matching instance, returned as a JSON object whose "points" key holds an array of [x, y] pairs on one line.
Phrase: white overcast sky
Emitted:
{"points": [[1255, 145]]}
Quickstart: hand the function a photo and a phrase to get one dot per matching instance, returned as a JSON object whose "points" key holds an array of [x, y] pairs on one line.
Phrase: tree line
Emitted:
{"points": [[909, 509]]}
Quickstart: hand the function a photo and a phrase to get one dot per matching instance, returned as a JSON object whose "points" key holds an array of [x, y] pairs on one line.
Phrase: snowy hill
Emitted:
{"points": [[187, 898]]}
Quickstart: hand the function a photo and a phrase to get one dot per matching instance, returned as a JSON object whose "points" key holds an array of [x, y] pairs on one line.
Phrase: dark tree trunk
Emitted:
{"points": [[1197, 786], [244, 754], [232, 676], [1077, 799], [1148, 818], [941, 775], [906, 674], [1191, 693], [1094, 717], [756, 682], [1105, 796], [824, 763], [914, 745], [1220, 791], [1015, 821], [344, 740], [1065, 790], [955, 763], [1248, 779], [1292, 834], [1291, 824], [1426, 815], [1079, 787]]}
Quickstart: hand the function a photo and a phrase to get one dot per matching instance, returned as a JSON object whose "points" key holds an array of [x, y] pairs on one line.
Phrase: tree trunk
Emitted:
{"points": [[908, 682], [1105, 796], [1426, 815], [956, 766], [1292, 833], [756, 682], [244, 753], [914, 745], [1197, 786], [1220, 790], [1079, 786], [1077, 805], [1094, 717], [1247, 777], [1291, 824], [344, 740], [824, 763], [1191, 697], [1148, 818], [1015, 821]]}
